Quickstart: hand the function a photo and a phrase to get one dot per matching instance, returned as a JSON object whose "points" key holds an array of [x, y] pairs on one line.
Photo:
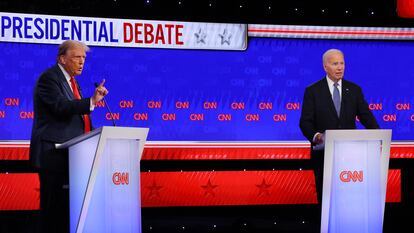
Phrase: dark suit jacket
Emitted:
{"points": [[319, 114], [57, 118]]}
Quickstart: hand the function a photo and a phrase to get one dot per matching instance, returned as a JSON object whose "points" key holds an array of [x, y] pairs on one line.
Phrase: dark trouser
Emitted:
{"points": [[54, 201], [317, 158]]}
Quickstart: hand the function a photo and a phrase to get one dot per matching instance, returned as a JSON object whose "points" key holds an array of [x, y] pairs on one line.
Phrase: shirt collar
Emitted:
{"points": [[67, 76], [331, 83]]}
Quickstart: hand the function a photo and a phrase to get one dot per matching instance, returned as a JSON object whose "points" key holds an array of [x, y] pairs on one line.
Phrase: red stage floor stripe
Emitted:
{"points": [[19, 191], [227, 188], [402, 152], [160, 189], [199, 188], [14, 153], [394, 186], [224, 153]]}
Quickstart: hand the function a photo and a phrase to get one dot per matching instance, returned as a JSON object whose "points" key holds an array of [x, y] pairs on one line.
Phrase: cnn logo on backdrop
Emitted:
{"points": [[354, 176], [119, 178]]}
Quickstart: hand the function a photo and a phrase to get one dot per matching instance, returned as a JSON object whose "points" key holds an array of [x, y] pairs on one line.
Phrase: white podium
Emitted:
{"points": [[104, 180], [355, 180]]}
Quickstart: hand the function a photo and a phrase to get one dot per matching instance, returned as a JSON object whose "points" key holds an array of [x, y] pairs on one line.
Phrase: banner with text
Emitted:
{"points": [[50, 29]]}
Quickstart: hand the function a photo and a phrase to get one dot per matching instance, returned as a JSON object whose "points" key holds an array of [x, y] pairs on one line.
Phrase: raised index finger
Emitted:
{"points": [[102, 83]]}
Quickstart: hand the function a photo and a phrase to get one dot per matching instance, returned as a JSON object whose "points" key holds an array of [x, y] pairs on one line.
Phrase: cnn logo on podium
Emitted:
{"points": [[119, 178], [354, 176]]}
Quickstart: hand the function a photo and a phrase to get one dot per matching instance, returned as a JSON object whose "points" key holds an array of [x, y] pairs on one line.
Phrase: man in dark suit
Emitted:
{"points": [[60, 113], [331, 103]]}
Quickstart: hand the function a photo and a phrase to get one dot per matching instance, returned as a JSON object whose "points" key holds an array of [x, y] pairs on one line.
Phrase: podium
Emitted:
{"points": [[355, 180], [104, 180]]}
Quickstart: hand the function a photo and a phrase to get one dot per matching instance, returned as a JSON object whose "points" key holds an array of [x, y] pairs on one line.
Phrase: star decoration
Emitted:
{"points": [[263, 188], [208, 188], [225, 37], [154, 190], [201, 36]]}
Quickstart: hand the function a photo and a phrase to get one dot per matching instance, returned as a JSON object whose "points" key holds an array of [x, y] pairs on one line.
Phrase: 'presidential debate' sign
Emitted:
{"points": [[121, 32]]}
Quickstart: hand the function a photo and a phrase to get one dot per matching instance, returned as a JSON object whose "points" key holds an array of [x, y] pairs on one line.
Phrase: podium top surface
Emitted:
{"points": [[110, 132], [359, 134]]}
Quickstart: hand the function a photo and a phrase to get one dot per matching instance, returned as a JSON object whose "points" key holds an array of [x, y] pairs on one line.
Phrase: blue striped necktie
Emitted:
{"points": [[337, 99]]}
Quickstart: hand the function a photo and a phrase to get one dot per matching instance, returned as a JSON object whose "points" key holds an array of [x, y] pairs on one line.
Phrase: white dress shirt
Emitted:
{"points": [[331, 86]]}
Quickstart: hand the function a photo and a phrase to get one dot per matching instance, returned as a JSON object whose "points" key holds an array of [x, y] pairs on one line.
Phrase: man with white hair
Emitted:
{"points": [[331, 103]]}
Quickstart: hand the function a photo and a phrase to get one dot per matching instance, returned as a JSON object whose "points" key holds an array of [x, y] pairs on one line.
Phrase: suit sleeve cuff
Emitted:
{"points": [[314, 136], [91, 105]]}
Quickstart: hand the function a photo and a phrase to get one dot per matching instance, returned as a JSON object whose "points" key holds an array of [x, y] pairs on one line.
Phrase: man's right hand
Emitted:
{"points": [[100, 93], [319, 138]]}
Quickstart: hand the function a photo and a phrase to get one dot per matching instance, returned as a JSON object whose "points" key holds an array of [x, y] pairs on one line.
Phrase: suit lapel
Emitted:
{"points": [[344, 97], [67, 90]]}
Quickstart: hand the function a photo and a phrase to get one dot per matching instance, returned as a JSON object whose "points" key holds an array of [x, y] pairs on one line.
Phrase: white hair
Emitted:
{"points": [[329, 52]]}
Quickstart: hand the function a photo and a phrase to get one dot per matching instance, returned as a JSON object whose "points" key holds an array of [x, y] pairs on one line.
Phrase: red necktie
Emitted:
{"points": [[86, 121]]}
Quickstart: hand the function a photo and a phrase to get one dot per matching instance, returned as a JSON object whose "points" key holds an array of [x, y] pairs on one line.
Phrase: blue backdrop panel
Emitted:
{"points": [[200, 95]]}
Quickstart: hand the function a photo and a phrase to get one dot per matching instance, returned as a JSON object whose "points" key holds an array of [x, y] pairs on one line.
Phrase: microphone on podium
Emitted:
{"points": [[107, 106]]}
